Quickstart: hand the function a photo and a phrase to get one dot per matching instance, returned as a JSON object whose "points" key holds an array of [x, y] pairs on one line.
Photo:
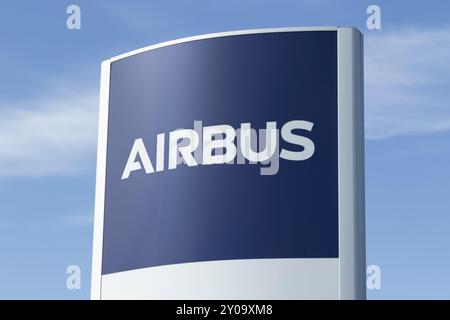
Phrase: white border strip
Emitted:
{"points": [[96, 276], [351, 164], [244, 279], [218, 35]]}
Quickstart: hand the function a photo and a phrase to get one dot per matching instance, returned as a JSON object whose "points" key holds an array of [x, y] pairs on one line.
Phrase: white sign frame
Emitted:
{"points": [[301, 273]]}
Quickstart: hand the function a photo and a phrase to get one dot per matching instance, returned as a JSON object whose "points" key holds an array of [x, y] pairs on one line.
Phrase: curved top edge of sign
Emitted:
{"points": [[218, 35]]}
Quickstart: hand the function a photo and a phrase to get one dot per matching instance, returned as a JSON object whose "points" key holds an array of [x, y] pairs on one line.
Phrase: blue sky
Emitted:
{"points": [[48, 116]]}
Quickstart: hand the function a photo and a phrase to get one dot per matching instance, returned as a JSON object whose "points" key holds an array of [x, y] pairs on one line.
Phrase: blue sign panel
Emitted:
{"points": [[223, 148]]}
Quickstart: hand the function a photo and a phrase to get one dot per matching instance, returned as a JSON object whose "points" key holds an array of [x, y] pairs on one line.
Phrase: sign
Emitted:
{"points": [[230, 166]]}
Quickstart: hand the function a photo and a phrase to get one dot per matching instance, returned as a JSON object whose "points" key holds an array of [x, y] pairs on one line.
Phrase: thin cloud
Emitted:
{"points": [[80, 220], [49, 135], [407, 75]]}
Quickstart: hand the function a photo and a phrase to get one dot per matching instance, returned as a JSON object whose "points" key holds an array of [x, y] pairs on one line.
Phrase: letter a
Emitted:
{"points": [[132, 164], [74, 20]]}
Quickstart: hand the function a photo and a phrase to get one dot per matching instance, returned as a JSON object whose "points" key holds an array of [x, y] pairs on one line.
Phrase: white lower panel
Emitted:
{"points": [[228, 279]]}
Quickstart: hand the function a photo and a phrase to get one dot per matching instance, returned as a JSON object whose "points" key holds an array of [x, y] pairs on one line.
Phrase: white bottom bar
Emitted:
{"points": [[228, 279]]}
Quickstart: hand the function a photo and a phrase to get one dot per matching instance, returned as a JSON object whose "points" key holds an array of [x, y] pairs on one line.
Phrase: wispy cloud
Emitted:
{"points": [[407, 74], [50, 135], [79, 220]]}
